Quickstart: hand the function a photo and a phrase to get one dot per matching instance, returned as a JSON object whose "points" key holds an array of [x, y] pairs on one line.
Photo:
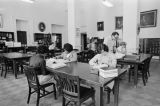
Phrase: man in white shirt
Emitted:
{"points": [[113, 42]]}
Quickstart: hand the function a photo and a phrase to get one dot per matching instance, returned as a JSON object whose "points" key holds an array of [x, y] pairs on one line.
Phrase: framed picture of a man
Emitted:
{"points": [[148, 19], [100, 26], [1, 21], [118, 22]]}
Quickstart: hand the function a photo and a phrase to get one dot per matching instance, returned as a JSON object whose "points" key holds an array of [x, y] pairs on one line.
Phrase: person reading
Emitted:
{"points": [[68, 54]]}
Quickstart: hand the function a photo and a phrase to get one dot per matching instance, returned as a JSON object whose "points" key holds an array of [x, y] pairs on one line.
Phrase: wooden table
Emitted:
{"points": [[83, 70], [15, 56], [134, 60]]}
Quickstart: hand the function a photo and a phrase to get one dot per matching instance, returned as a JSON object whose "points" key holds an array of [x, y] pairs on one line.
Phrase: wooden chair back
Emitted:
{"points": [[70, 84], [32, 77]]}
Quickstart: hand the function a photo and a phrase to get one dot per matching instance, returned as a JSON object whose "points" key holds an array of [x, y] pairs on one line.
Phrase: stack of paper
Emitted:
{"points": [[108, 72]]}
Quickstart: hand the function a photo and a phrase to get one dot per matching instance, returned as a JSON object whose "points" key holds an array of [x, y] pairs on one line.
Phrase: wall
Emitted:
{"points": [[151, 32], [47, 11], [93, 11]]}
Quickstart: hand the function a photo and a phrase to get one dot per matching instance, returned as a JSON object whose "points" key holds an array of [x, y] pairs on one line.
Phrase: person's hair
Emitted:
{"points": [[42, 49], [122, 43], [68, 47], [115, 33], [102, 47]]}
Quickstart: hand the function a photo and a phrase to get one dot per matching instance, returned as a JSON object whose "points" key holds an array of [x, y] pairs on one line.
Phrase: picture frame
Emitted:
{"points": [[148, 19], [1, 21], [119, 22], [100, 26]]}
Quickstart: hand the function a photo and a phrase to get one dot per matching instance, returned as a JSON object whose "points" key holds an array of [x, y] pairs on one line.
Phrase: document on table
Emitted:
{"points": [[53, 63]]}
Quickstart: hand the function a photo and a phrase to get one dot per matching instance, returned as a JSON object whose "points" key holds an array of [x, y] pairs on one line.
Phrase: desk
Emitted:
{"points": [[83, 71], [134, 60], [15, 56]]}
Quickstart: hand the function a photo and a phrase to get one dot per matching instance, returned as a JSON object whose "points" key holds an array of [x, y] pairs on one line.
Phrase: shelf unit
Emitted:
{"points": [[42, 37], [5, 36], [150, 46]]}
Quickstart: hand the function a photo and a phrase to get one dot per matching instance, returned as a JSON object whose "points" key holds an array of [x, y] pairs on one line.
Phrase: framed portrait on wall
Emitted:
{"points": [[148, 19], [1, 21], [118, 22], [100, 26]]}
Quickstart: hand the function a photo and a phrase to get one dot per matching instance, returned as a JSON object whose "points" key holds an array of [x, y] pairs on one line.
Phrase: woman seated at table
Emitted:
{"points": [[106, 58], [122, 48], [69, 53], [38, 60]]}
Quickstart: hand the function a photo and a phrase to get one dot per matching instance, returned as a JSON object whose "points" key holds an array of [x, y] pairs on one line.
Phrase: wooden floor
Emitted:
{"points": [[13, 92]]}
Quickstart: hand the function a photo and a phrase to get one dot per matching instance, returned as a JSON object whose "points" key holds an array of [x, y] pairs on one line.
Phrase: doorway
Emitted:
{"points": [[57, 38], [83, 41], [22, 37]]}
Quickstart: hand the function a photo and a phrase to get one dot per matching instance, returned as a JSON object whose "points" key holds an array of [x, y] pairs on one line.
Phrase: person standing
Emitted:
{"points": [[113, 42]]}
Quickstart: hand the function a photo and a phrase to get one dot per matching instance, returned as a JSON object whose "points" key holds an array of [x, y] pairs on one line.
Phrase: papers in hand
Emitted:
{"points": [[53, 63]]}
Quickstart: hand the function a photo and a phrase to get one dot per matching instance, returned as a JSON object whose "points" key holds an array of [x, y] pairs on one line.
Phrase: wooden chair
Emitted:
{"points": [[8, 66], [72, 92], [2, 64], [143, 70], [33, 83]]}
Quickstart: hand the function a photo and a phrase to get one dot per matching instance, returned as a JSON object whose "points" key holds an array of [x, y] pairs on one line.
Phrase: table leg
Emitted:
{"points": [[116, 91], [99, 96], [135, 74], [14, 68]]}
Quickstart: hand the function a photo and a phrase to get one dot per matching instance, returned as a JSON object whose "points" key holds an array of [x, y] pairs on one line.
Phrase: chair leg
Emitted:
{"points": [[108, 97], [129, 74], [63, 101], [148, 73], [54, 88], [38, 97], [2, 70], [143, 78], [93, 99], [29, 95], [6, 72]]}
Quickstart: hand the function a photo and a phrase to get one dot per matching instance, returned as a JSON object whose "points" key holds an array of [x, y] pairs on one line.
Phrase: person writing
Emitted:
{"points": [[104, 57], [68, 53]]}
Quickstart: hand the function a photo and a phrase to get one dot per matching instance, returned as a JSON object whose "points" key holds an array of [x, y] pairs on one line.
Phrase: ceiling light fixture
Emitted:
{"points": [[107, 3], [28, 1]]}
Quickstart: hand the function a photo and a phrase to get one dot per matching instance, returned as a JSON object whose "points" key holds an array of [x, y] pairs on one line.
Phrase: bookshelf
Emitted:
{"points": [[150, 46], [42, 38], [5, 36]]}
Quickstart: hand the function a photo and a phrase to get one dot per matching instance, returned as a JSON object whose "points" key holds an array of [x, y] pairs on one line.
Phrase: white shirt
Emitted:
{"points": [[105, 58]]}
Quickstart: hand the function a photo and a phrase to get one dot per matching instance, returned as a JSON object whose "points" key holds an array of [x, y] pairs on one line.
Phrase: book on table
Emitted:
{"points": [[108, 72]]}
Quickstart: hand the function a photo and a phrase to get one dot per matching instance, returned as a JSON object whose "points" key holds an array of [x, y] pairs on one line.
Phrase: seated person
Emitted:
{"points": [[106, 58], [122, 48], [38, 60], [69, 53]]}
